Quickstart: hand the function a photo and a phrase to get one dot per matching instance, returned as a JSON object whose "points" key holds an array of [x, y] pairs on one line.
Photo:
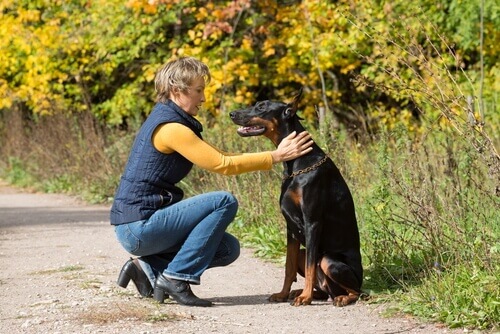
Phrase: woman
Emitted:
{"points": [[177, 239]]}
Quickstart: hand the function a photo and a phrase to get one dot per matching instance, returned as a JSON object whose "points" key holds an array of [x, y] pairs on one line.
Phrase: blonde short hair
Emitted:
{"points": [[179, 74]]}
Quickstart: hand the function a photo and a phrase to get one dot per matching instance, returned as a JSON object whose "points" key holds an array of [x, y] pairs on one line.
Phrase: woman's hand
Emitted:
{"points": [[292, 146]]}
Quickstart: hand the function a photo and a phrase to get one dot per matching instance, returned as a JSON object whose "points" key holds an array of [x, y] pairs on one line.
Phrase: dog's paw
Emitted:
{"points": [[343, 300], [278, 297], [302, 300], [294, 294]]}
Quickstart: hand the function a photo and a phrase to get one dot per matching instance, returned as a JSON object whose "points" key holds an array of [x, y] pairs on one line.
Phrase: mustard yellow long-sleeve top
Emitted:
{"points": [[175, 137]]}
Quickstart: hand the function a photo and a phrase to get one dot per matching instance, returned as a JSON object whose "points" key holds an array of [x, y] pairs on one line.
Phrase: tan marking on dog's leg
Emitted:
{"points": [[291, 265], [306, 296], [342, 300]]}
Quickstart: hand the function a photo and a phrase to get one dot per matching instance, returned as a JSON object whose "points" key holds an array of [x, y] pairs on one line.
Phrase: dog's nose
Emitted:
{"points": [[232, 114]]}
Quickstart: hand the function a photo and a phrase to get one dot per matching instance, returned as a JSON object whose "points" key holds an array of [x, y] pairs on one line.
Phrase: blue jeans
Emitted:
{"points": [[182, 240]]}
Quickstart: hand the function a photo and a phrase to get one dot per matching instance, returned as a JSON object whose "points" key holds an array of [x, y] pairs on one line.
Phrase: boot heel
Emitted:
{"points": [[159, 295], [123, 280]]}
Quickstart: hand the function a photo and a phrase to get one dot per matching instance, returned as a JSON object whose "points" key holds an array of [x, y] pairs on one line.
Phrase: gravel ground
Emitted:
{"points": [[60, 260]]}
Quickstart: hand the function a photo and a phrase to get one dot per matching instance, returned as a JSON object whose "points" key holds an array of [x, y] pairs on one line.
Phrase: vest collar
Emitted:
{"points": [[188, 118]]}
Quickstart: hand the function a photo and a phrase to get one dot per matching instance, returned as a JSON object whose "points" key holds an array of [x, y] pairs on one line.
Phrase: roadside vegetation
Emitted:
{"points": [[405, 105]]}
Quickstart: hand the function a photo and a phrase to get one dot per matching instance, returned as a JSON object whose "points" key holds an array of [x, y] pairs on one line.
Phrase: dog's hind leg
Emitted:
{"points": [[340, 281]]}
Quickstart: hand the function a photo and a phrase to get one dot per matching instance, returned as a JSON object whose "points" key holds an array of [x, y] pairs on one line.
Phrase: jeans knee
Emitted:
{"points": [[227, 252], [126, 238], [228, 201], [229, 198]]}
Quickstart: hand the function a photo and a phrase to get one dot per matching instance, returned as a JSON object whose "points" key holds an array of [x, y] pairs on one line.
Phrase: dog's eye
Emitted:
{"points": [[287, 112]]}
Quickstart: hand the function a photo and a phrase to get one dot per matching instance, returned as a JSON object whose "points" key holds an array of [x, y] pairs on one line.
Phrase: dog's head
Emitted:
{"points": [[272, 119]]}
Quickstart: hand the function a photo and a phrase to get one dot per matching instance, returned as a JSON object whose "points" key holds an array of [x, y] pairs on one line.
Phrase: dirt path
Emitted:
{"points": [[59, 260]]}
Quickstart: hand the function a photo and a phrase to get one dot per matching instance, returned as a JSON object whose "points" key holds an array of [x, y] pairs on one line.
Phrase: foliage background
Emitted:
{"points": [[403, 96]]}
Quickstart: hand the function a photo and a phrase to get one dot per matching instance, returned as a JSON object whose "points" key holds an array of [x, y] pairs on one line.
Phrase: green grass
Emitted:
{"points": [[267, 239], [66, 269], [16, 172], [465, 296]]}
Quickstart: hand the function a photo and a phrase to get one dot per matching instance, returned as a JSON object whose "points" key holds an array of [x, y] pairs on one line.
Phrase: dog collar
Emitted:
{"points": [[305, 170]]}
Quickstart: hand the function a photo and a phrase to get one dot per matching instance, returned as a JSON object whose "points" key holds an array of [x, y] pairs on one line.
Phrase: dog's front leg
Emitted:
{"points": [[312, 231], [291, 266]]}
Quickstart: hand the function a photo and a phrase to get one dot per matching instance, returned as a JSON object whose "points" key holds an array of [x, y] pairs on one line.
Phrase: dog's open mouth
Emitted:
{"points": [[254, 130]]}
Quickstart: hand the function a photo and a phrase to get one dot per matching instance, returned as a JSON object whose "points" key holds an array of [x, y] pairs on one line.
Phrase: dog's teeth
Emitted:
{"points": [[251, 130]]}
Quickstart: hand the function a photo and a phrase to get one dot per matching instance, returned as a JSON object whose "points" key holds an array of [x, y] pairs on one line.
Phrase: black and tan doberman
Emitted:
{"points": [[319, 211]]}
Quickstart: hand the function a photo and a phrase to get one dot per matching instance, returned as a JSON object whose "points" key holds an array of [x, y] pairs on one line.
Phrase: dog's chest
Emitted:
{"points": [[291, 208]]}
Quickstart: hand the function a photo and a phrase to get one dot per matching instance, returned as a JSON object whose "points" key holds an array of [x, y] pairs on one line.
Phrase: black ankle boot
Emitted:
{"points": [[132, 271], [180, 291]]}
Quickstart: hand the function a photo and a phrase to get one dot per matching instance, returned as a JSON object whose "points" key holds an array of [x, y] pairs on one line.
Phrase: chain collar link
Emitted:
{"points": [[306, 170]]}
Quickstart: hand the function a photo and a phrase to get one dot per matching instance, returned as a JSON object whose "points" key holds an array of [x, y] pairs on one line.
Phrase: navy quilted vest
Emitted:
{"points": [[148, 182]]}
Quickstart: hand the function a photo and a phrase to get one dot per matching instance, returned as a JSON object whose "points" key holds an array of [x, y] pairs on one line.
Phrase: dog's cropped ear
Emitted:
{"points": [[292, 107], [288, 112], [296, 100]]}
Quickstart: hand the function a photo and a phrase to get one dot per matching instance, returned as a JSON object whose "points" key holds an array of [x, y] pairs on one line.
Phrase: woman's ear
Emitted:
{"points": [[175, 91]]}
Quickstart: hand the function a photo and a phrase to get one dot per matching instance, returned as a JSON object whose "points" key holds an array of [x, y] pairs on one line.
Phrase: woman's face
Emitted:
{"points": [[191, 100]]}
